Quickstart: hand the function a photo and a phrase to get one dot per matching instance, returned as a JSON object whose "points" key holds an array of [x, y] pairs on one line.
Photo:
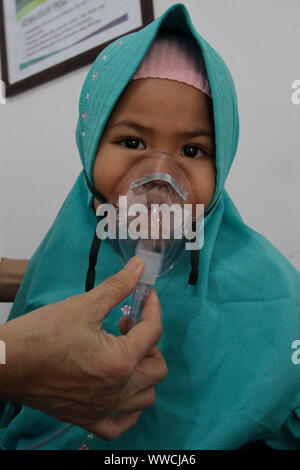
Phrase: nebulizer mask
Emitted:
{"points": [[154, 213]]}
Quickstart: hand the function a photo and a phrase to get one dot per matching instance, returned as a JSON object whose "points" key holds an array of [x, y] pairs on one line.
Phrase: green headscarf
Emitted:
{"points": [[227, 340]]}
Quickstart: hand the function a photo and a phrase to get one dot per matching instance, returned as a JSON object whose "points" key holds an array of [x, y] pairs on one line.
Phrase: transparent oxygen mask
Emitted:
{"points": [[154, 212]]}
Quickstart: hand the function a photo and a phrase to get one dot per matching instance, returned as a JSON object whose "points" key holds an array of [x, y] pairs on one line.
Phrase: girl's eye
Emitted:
{"points": [[192, 151], [132, 144]]}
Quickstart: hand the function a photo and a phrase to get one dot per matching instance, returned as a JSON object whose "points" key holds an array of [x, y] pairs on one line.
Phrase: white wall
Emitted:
{"points": [[260, 43]]}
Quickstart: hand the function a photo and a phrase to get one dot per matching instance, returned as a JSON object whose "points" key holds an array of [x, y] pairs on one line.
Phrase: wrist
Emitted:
{"points": [[26, 347], [16, 370]]}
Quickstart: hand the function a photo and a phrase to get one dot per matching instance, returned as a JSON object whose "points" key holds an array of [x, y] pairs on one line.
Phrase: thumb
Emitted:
{"points": [[116, 288]]}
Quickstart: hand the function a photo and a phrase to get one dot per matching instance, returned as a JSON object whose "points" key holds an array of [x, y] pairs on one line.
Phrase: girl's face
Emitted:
{"points": [[158, 114]]}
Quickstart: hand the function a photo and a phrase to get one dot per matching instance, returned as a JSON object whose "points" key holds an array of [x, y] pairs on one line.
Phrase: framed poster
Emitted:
{"points": [[42, 39]]}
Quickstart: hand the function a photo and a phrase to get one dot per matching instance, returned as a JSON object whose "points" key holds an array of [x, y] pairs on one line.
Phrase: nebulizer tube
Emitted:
{"points": [[139, 297], [152, 255]]}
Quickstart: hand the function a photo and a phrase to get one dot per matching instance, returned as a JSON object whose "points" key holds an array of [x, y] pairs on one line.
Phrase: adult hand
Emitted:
{"points": [[61, 361]]}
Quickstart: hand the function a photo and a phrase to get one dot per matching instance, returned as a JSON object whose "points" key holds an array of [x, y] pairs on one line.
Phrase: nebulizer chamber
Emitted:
{"points": [[151, 219]]}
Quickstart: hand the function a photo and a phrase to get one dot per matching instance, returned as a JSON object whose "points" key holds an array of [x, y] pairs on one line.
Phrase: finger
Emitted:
{"points": [[150, 371], [124, 327], [110, 428], [124, 324], [116, 288], [155, 354], [145, 334], [138, 402], [139, 381]]}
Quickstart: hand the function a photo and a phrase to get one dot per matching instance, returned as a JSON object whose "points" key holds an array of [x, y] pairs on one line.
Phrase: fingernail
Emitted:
{"points": [[134, 264]]}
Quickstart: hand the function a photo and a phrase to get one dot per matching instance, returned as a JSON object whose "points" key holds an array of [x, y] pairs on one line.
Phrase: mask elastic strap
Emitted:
{"points": [[195, 254], [95, 193], [195, 257], [96, 243], [94, 251]]}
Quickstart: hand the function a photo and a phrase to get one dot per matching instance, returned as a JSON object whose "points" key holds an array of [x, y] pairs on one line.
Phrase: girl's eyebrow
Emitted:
{"points": [[150, 131]]}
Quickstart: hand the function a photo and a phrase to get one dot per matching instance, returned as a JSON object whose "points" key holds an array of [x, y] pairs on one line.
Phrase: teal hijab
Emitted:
{"points": [[227, 340]]}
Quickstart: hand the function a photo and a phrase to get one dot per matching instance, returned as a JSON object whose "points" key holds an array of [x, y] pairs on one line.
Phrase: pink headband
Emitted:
{"points": [[175, 56]]}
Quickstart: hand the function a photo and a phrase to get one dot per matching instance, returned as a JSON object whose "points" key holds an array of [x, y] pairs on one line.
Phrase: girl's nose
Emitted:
{"points": [[159, 152]]}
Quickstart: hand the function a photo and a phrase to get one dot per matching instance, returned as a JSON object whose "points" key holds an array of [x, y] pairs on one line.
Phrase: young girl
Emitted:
{"points": [[231, 316]]}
